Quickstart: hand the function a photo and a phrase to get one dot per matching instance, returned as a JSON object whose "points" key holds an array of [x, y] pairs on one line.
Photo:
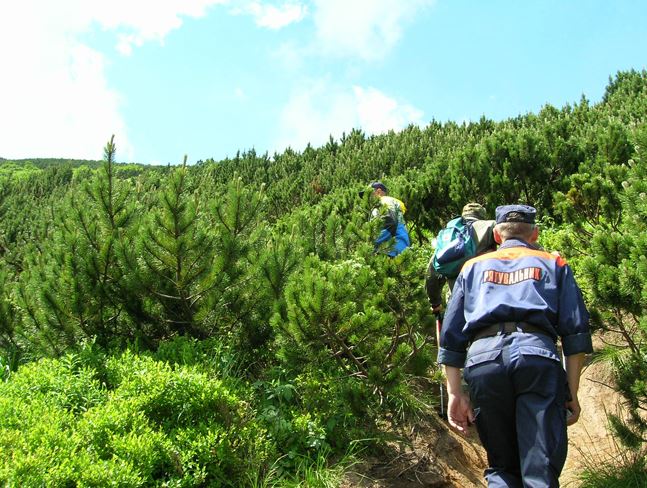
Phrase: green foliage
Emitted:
{"points": [[76, 288], [177, 255], [210, 355], [612, 263], [149, 424], [317, 473], [626, 471], [309, 419], [366, 314]]}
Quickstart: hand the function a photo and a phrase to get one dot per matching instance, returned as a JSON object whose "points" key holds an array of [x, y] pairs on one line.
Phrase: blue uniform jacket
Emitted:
{"points": [[516, 283]]}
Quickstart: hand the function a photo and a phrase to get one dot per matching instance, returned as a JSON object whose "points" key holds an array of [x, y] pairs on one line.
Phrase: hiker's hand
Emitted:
{"points": [[574, 407], [459, 412], [437, 309]]}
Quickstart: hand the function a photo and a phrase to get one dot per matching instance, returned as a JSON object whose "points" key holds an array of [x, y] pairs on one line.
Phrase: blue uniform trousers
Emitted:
{"points": [[401, 236], [518, 391]]}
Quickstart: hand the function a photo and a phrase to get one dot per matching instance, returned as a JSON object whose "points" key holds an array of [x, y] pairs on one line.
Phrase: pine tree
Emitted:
{"points": [[366, 314], [631, 367], [178, 256], [8, 316], [232, 310], [608, 203], [276, 261], [74, 289]]}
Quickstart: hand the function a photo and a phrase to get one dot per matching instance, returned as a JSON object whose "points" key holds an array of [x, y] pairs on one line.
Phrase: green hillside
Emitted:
{"points": [[229, 323]]}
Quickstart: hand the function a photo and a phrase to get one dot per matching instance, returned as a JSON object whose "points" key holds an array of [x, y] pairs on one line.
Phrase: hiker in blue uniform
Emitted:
{"points": [[392, 212], [507, 309]]}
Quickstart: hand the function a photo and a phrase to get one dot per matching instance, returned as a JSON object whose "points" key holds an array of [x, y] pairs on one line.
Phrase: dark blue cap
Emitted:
{"points": [[515, 213], [378, 184]]}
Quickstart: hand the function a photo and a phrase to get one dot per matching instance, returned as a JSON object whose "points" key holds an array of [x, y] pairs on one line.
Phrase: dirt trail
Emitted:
{"points": [[590, 442], [430, 455]]}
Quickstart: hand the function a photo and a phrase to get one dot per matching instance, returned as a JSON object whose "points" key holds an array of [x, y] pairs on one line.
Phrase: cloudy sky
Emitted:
{"points": [[207, 78]]}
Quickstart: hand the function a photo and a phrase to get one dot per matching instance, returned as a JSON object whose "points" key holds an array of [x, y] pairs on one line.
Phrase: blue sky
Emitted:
{"points": [[207, 78]]}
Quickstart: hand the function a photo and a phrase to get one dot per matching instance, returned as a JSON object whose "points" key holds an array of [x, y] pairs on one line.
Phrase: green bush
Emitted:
{"points": [[312, 414], [150, 424], [209, 355], [368, 315], [171, 397]]}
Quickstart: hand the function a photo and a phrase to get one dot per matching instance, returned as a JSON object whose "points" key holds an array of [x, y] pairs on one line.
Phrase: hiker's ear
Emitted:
{"points": [[497, 236], [535, 235]]}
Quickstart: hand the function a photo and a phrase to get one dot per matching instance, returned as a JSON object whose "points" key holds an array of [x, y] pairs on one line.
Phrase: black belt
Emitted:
{"points": [[508, 327]]}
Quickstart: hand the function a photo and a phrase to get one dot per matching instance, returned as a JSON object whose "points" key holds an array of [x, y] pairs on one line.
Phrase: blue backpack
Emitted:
{"points": [[455, 244]]}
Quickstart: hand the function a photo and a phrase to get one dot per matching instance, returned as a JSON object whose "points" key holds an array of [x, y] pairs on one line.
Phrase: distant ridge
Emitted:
{"points": [[46, 162]]}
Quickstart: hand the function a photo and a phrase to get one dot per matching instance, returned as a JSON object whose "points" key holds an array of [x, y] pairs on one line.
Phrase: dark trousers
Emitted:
{"points": [[518, 391]]}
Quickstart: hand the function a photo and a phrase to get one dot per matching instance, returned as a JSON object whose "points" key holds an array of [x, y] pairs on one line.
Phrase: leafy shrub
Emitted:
{"points": [[171, 397], [209, 355], [149, 424], [294, 430], [67, 384]]}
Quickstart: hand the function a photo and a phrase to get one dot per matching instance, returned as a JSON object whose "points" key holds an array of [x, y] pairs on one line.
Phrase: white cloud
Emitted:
{"points": [[273, 17], [378, 113], [367, 29], [55, 100], [321, 109], [364, 29], [144, 20]]}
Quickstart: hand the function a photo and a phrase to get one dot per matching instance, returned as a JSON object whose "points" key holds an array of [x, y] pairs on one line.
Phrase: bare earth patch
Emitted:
{"points": [[589, 440], [429, 455]]}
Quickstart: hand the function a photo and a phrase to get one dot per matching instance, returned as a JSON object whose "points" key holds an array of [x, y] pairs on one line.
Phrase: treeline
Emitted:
{"points": [[259, 272]]}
